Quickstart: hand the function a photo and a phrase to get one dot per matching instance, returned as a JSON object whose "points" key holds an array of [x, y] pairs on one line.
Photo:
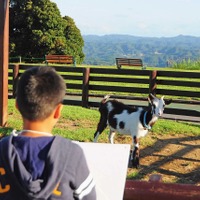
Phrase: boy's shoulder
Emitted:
{"points": [[59, 142], [67, 145]]}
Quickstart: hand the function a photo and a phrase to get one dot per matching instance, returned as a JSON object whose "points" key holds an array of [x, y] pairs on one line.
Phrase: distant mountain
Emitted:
{"points": [[159, 52]]}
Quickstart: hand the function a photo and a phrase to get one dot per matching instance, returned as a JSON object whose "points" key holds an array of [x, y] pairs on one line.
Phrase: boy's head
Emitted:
{"points": [[39, 91]]}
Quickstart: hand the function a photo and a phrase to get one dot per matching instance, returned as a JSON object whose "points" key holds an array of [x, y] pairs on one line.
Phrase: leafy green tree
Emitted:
{"points": [[74, 39], [37, 28]]}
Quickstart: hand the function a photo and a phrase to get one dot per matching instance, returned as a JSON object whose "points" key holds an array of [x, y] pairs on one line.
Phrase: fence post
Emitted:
{"points": [[152, 82], [4, 59], [15, 78], [85, 87]]}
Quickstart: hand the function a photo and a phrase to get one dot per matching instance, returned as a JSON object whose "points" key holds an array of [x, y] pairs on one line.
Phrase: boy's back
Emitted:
{"points": [[34, 164]]}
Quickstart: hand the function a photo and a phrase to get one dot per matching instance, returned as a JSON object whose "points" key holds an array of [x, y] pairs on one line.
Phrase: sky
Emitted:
{"points": [[146, 18]]}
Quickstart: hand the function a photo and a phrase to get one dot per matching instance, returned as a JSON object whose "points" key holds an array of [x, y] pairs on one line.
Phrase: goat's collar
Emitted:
{"points": [[146, 126]]}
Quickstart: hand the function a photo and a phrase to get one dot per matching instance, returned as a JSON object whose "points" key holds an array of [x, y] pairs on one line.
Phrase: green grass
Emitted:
{"points": [[79, 123], [187, 64]]}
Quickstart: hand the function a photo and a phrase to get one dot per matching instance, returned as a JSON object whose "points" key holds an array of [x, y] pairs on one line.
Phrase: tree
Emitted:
{"points": [[74, 39], [37, 28]]}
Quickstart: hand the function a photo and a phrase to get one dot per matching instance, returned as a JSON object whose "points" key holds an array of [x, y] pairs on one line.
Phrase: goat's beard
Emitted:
{"points": [[153, 120]]}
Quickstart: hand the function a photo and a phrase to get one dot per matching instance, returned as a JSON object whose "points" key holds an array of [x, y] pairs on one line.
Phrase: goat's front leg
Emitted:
{"points": [[135, 155], [111, 137]]}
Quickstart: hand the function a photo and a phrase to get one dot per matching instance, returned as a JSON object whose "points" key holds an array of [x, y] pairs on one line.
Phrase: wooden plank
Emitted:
{"points": [[72, 102], [182, 101], [74, 86], [25, 67], [119, 79], [67, 59], [68, 69], [72, 77], [181, 118], [120, 72], [178, 93], [10, 82], [142, 190], [186, 112], [93, 104], [179, 83], [57, 68], [179, 74], [61, 61], [118, 89]]}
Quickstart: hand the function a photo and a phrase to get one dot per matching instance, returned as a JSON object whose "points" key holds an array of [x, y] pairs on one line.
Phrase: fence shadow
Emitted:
{"points": [[177, 159]]}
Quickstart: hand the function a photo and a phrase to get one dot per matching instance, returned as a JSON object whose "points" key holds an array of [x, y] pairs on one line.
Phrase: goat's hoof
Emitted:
{"points": [[135, 163]]}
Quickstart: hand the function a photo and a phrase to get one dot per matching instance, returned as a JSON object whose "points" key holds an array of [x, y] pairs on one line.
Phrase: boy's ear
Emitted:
{"points": [[58, 110]]}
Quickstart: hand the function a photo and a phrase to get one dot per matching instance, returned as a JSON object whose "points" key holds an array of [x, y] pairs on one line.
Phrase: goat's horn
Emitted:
{"points": [[152, 95], [106, 97]]}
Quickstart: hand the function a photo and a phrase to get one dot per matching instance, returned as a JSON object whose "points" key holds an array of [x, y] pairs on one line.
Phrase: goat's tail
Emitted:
{"points": [[105, 99]]}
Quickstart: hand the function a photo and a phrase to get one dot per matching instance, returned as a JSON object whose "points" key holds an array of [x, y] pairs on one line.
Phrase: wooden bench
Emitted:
{"points": [[64, 59], [129, 62]]}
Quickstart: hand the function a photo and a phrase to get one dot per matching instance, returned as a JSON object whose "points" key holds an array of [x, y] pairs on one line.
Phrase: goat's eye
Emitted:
{"points": [[163, 106], [154, 106]]}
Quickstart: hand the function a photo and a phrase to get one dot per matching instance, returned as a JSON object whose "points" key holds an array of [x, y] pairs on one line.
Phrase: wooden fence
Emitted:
{"points": [[87, 86]]}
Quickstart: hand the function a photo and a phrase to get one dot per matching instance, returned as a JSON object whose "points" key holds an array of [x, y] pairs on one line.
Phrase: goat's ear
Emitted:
{"points": [[167, 102]]}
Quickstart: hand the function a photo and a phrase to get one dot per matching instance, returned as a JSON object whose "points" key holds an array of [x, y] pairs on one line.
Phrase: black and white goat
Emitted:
{"points": [[134, 121]]}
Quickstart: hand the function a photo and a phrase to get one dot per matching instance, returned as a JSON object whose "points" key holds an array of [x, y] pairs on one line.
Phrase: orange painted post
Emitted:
{"points": [[85, 89], [4, 48]]}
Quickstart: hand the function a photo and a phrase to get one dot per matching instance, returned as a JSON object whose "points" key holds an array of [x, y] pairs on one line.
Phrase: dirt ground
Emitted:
{"points": [[176, 158]]}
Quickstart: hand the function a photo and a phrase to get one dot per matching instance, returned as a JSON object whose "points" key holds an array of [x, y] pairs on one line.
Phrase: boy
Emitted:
{"points": [[34, 164]]}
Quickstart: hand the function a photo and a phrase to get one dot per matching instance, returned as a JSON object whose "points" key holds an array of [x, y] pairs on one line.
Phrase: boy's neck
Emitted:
{"points": [[36, 128], [34, 133]]}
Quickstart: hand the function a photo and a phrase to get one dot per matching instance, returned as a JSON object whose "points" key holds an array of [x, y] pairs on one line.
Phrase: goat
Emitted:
{"points": [[131, 120]]}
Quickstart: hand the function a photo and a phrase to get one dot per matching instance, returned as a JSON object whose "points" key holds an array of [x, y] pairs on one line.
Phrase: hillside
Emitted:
{"points": [[159, 52]]}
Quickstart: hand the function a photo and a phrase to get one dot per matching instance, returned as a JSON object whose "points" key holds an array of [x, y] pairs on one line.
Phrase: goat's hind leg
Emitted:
{"points": [[100, 128], [111, 137], [135, 154]]}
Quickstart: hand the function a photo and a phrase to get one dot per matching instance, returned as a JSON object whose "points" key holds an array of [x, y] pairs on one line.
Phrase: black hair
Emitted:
{"points": [[39, 91]]}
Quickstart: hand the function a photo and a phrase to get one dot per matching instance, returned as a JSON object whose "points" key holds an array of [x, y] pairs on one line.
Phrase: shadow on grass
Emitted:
{"points": [[175, 159]]}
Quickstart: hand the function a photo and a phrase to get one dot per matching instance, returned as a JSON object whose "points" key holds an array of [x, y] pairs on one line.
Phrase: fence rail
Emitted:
{"points": [[86, 87], [153, 190]]}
